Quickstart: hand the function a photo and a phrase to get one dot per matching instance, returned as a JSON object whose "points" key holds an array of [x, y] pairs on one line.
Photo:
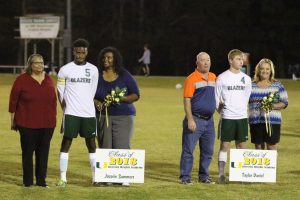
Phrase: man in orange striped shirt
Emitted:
{"points": [[198, 124]]}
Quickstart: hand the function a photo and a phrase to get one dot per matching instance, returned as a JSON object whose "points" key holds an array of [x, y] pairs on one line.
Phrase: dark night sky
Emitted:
{"points": [[175, 29]]}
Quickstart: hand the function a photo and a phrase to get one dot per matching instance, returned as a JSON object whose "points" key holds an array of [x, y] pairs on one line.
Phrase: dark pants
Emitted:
{"points": [[38, 141], [205, 134]]}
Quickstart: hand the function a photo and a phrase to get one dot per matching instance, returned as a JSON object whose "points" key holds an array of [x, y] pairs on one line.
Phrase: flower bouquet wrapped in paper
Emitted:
{"points": [[266, 105], [114, 97]]}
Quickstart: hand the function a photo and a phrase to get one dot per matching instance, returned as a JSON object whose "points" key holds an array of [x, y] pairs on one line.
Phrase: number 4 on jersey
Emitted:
{"points": [[243, 80]]}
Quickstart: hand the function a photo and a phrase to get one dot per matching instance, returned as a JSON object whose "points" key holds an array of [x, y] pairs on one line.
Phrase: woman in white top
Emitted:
{"points": [[146, 60]]}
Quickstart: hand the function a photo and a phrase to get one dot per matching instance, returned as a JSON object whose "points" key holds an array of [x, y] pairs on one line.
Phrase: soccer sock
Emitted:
{"points": [[222, 162], [221, 165], [63, 164], [92, 157]]}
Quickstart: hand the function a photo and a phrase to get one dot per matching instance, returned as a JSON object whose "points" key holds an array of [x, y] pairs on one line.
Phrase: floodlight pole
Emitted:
{"points": [[69, 31], [25, 51]]}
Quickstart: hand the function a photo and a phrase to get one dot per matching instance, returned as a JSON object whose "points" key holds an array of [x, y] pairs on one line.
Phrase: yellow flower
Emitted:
{"points": [[122, 94], [265, 98], [270, 99]]}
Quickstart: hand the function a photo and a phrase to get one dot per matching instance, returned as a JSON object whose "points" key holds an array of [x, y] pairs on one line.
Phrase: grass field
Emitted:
{"points": [[158, 131]]}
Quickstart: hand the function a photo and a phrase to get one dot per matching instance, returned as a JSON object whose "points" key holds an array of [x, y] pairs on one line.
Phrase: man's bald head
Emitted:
{"points": [[203, 62], [201, 54]]}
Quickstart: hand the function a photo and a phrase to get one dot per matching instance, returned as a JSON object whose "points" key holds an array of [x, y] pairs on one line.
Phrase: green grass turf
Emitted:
{"points": [[158, 131]]}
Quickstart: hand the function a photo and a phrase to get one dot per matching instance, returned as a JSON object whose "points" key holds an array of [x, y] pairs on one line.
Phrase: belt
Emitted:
{"points": [[202, 116]]}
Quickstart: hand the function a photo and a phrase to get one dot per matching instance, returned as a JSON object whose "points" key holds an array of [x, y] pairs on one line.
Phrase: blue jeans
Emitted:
{"points": [[205, 134]]}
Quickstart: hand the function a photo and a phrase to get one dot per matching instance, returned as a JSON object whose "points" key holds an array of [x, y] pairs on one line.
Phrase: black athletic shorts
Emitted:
{"points": [[259, 134]]}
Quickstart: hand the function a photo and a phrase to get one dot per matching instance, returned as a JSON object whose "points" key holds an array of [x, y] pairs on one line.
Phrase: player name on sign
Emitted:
{"points": [[120, 165], [250, 165]]}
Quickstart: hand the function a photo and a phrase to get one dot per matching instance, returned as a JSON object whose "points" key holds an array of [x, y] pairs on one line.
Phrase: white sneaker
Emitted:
{"points": [[125, 184]]}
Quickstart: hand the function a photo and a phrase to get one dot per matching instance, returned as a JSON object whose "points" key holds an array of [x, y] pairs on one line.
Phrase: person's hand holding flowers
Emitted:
{"points": [[267, 105], [115, 97]]}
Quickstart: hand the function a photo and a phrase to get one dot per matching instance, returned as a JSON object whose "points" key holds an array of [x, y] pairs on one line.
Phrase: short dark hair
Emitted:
{"points": [[81, 43], [118, 59]]}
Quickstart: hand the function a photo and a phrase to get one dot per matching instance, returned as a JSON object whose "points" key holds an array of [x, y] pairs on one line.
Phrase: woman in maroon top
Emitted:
{"points": [[32, 106]]}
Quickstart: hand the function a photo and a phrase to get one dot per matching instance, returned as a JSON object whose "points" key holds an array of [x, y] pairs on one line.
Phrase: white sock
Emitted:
{"points": [[92, 157], [63, 164]]}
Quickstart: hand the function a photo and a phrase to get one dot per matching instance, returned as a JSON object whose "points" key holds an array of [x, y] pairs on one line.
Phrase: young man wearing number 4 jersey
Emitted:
{"points": [[232, 93], [76, 85]]}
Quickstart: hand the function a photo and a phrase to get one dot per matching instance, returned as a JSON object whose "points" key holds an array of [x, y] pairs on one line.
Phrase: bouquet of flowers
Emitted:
{"points": [[266, 105], [114, 97]]}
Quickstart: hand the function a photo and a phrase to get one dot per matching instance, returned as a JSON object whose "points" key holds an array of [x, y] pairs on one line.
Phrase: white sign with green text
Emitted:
{"points": [[120, 165], [248, 165]]}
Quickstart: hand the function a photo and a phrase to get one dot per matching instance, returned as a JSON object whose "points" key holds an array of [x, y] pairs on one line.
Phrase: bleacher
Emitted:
{"points": [[19, 68], [13, 67]]}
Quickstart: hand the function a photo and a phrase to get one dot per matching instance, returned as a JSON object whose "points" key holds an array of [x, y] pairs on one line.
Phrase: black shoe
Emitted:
{"points": [[27, 185], [102, 184], [45, 185], [222, 180], [97, 184], [186, 182], [207, 181]]}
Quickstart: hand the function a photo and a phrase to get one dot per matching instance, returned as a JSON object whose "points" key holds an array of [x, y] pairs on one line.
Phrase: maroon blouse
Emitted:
{"points": [[34, 104]]}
